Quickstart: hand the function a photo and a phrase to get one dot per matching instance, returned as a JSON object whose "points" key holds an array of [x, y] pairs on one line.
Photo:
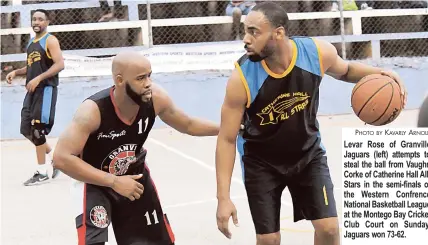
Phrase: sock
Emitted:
{"points": [[49, 157], [42, 169]]}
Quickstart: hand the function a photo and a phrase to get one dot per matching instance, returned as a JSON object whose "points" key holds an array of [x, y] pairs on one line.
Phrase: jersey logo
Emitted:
{"points": [[99, 217], [110, 135], [283, 107], [117, 162], [33, 57]]}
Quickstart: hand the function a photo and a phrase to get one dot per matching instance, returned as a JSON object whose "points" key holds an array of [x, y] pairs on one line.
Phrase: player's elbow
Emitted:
{"points": [[226, 138], [59, 160], [60, 65]]}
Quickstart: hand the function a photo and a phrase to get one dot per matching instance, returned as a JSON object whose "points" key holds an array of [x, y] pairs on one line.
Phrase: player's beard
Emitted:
{"points": [[256, 57], [41, 30], [133, 95], [266, 52]]}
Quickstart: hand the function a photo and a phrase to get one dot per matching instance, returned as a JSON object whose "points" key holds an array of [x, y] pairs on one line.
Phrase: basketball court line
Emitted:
{"points": [[206, 166]]}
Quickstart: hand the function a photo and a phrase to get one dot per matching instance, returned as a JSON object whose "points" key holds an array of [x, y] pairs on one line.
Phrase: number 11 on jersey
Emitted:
{"points": [[155, 217], [140, 125]]}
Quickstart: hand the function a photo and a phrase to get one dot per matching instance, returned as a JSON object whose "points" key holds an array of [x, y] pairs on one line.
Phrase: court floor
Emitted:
{"points": [[183, 170]]}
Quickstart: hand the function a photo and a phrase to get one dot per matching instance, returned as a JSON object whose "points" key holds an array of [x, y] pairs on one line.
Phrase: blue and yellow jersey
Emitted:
{"points": [[280, 125], [39, 60]]}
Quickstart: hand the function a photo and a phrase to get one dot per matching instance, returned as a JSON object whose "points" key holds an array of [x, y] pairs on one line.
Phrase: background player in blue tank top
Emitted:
{"points": [[44, 62], [271, 104]]}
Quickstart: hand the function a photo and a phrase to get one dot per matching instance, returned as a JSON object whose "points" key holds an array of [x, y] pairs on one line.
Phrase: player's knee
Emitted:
{"points": [[38, 136], [269, 239], [327, 229]]}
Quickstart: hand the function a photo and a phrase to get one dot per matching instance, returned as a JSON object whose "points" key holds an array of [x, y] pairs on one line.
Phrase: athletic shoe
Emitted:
{"points": [[37, 179]]}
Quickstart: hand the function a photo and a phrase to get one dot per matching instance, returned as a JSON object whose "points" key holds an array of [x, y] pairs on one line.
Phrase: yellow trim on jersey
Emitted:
{"points": [[290, 67], [319, 57], [46, 48], [325, 196], [36, 40], [244, 81]]}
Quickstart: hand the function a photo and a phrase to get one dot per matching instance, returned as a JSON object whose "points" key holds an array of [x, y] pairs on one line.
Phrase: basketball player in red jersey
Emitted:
{"points": [[103, 150], [269, 114]]}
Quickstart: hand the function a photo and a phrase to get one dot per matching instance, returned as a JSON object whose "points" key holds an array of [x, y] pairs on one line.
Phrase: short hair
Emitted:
{"points": [[42, 11], [276, 15]]}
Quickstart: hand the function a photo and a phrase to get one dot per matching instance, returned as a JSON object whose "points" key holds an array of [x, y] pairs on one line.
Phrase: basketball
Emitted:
{"points": [[376, 99]]}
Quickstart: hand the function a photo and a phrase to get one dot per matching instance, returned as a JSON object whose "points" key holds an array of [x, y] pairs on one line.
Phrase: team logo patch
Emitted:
{"points": [[117, 161], [283, 107], [99, 217]]}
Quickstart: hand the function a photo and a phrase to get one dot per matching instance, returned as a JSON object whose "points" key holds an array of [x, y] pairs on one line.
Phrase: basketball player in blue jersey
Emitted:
{"points": [[269, 112], [44, 62], [103, 150]]}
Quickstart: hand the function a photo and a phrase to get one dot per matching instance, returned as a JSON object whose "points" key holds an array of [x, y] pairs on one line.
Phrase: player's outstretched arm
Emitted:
{"points": [[177, 119], [352, 72], [231, 115]]}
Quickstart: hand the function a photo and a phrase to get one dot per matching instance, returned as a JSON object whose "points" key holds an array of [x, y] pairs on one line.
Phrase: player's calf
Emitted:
{"points": [[269, 239], [326, 231]]}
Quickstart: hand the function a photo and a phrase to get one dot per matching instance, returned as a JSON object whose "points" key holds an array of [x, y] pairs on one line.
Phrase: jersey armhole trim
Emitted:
{"points": [[245, 83], [46, 48], [319, 57]]}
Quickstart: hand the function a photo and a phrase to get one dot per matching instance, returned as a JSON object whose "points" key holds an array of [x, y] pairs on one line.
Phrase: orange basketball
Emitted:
{"points": [[376, 100]]}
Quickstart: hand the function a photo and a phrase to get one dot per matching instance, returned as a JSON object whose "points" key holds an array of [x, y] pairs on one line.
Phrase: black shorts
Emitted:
{"points": [[311, 191], [39, 109], [139, 222]]}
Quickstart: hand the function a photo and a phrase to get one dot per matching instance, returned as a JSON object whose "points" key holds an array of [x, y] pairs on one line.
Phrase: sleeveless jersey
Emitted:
{"points": [[280, 126], [39, 60], [115, 144]]}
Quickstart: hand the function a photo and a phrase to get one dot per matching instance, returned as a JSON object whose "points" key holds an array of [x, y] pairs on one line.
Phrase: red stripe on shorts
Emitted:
{"points": [[81, 231]]}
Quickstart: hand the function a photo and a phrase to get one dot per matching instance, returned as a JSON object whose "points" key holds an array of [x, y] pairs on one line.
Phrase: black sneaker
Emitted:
{"points": [[37, 179]]}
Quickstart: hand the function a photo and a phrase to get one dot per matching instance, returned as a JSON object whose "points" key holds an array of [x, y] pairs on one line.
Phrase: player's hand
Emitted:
{"points": [[10, 76], [128, 186], [225, 209], [32, 85], [397, 78]]}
